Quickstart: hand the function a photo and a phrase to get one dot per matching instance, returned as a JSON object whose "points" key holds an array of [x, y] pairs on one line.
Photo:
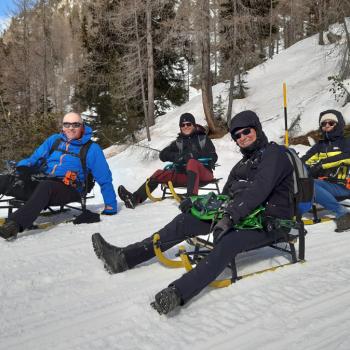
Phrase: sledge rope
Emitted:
{"points": [[149, 194], [172, 190]]}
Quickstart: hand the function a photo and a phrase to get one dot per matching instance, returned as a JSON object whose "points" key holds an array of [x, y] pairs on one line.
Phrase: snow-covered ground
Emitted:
{"points": [[55, 294]]}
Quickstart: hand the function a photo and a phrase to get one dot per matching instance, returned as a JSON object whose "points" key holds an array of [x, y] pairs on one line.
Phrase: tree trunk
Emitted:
{"points": [[206, 79], [230, 99], [270, 33], [45, 34], [150, 65], [141, 74]]}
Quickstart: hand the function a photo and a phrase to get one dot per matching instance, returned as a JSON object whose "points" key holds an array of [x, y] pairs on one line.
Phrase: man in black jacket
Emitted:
{"points": [[262, 177], [328, 162], [186, 152]]}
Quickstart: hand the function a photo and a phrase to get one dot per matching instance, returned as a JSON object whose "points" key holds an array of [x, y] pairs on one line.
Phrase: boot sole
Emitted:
{"points": [[126, 199], [96, 239], [96, 244]]}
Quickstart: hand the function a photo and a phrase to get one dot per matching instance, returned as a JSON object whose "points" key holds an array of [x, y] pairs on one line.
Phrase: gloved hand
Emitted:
{"points": [[179, 159], [190, 155], [24, 172], [314, 171], [222, 227], [109, 210], [185, 205]]}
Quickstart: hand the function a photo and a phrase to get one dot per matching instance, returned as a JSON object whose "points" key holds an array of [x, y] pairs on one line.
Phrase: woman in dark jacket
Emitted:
{"points": [[262, 177], [186, 153], [329, 163]]}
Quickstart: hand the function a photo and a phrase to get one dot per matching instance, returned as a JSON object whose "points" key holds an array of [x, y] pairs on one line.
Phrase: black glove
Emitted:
{"points": [[179, 159], [186, 205], [24, 172], [314, 171], [222, 227], [190, 155]]}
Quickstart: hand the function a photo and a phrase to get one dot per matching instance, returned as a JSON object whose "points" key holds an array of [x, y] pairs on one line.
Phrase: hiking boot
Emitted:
{"points": [[166, 300], [127, 197], [343, 223], [112, 257], [9, 229]]}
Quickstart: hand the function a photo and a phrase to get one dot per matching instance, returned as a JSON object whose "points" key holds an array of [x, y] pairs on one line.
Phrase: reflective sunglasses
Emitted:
{"points": [[237, 135], [329, 122], [185, 124], [74, 125]]}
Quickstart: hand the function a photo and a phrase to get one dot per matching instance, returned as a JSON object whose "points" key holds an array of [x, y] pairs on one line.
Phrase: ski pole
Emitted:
{"points": [[286, 136], [147, 147]]}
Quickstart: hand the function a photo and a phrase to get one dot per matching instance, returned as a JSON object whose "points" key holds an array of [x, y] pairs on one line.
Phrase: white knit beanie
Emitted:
{"points": [[329, 116]]}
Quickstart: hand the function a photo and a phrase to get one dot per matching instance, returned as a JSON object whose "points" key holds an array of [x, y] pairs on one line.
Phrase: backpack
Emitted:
{"points": [[303, 184], [89, 181]]}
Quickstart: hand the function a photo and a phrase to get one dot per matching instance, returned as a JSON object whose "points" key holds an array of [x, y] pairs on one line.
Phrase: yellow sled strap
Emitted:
{"points": [[160, 256], [149, 194], [312, 222], [188, 267], [172, 190]]}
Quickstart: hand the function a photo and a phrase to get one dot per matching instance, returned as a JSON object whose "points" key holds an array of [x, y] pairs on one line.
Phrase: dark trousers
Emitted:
{"points": [[194, 173], [184, 226], [38, 196]]}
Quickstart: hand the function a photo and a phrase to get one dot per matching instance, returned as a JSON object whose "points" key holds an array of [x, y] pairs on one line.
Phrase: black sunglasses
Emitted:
{"points": [[75, 125], [329, 122], [237, 135], [185, 124]]}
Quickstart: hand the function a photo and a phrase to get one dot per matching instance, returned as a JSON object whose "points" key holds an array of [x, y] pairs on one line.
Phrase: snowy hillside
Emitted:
{"points": [[55, 294]]}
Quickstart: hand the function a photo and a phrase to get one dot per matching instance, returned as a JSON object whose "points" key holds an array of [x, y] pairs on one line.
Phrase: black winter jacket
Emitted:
{"points": [[332, 154], [265, 177], [190, 144]]}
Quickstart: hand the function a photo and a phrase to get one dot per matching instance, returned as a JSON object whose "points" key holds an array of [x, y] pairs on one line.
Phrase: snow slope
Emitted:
{"points": [[55, 294]]}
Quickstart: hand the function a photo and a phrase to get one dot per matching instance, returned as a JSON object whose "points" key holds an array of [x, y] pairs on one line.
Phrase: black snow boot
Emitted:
{"points": [[343, 223], [166, 300], [191, 179], [9, 229], [127, 197], [113, 257]]}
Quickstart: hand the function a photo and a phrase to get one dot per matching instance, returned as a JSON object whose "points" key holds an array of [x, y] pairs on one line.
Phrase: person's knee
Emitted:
{"points": [[193, 165], [157, 173]]}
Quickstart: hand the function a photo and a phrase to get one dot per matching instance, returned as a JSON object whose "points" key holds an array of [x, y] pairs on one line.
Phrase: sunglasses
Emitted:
{"points": [[74, 125], [237, 135], [185, 124], [329, 122]]}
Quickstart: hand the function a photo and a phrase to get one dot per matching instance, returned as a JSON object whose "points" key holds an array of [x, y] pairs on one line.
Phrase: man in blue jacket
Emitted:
{"points": [[64, 176]]}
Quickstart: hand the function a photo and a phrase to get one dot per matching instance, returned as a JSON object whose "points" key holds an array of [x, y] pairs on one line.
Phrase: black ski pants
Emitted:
{"points": [[38, 196], [208, 269]]}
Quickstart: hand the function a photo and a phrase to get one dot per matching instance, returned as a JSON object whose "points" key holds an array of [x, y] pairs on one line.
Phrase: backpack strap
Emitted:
{"points": [[54, 146], [202, 139], [82, 155], [180, 145]]}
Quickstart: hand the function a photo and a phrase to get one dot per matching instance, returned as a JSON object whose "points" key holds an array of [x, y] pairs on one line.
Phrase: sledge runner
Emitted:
{"points": [[190, 145], [264, 176], [328, 162], [64, 175]]}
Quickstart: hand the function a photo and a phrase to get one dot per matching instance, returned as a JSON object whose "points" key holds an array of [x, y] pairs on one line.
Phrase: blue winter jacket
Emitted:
{"points": [[58, 163]]}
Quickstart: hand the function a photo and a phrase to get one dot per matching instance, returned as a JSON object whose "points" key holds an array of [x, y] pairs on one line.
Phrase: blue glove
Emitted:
{"points": [[109, 211]]}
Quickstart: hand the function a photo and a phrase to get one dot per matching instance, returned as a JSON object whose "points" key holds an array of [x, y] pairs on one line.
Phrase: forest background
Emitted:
{"points": [[129, 61]]}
